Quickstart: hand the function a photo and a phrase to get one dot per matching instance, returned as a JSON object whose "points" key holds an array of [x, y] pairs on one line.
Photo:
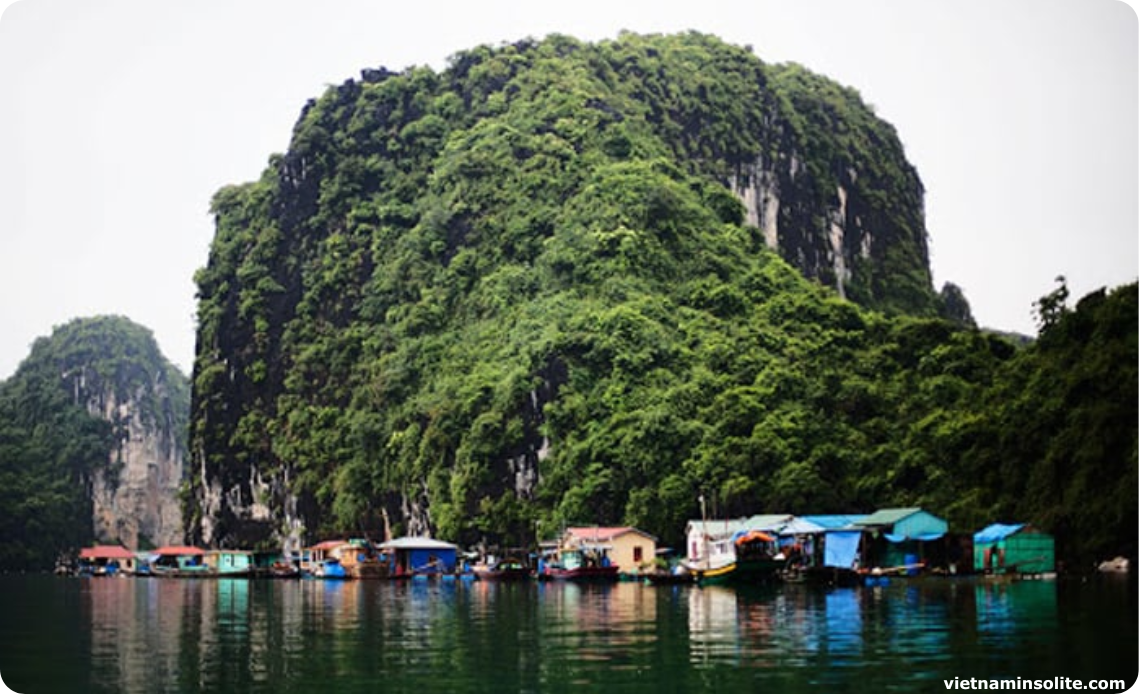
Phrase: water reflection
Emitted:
{"points": [[779, 627], [149, 635], [714, 630], [924, 631], [843, 636], [1004, 610]]}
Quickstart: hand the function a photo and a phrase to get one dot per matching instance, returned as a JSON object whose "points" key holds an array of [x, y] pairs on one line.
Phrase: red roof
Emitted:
{"points": [[106, 552], [328, 544], [177, 550], [599, 534]]}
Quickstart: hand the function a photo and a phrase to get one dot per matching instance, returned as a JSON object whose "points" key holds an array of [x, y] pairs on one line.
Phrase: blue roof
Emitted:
{"points": [[835, 521], [798, 525], [996, 532]]}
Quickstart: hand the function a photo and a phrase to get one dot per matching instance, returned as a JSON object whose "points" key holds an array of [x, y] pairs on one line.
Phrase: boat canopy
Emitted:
{"points": [[745, 536]]}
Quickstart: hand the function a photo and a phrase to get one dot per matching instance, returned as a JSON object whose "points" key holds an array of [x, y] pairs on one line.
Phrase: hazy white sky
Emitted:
{"points": [[120, 118]]}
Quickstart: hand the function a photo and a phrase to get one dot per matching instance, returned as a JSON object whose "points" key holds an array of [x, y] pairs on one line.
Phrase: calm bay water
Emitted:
{"points": [[169, 635]]}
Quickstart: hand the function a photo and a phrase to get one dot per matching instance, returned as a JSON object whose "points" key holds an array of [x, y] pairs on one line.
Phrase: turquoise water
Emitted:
{"points": [[171, 635]]}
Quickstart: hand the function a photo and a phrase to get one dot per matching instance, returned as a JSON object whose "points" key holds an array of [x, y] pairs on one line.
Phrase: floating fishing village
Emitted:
{"points": [[846, 550]]}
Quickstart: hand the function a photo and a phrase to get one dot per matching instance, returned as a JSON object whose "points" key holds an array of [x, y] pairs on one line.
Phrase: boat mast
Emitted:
{"points": [[705, 530]]}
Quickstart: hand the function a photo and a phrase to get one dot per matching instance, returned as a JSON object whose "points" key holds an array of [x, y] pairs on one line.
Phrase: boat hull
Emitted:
{"points": [[372, 570], [592, 574], [521, 574], [669, 579], [740, 572]]}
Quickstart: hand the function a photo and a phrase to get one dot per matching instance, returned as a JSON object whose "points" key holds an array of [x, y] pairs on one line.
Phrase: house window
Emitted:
{"points": [[637, 554]]}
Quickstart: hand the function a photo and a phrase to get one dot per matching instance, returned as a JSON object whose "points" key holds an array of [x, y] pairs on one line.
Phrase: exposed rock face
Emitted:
{"points": [[839, 248], [135, 500], [245, 504], [112, 368]]}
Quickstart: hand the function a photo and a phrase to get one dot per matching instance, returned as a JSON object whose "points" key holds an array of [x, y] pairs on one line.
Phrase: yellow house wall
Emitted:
{"points": [[622, 553]]}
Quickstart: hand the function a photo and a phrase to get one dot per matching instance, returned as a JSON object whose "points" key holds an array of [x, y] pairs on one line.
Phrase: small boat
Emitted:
{"points": [[284, 569], [330, 569], [678, 577], [755, 560], [1117, 565], [588, 564], [502, 570]]}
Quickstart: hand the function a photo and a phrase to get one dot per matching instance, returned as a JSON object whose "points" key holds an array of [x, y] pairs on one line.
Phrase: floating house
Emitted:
{"points": [[230, 562], [839, 541], [105, 560], [264, 561], [179, 560], [1013, 549], [797, 540], [313, 558], [361, 559], [628, 548], [419, 556], [902, 538]]}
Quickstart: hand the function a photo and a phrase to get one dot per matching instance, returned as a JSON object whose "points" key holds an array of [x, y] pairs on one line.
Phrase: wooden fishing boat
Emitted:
{"points": [[755, 560], [588, 564], [503, 570], [330, 569], [670, 578], [284, 569]]}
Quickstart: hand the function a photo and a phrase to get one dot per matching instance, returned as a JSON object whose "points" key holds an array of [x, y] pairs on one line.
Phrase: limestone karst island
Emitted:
{"points": [[564, 301]]}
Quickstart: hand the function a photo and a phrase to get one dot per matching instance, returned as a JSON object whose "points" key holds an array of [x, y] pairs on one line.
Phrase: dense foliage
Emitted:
{"points": [[522, 292], [54, 435]]}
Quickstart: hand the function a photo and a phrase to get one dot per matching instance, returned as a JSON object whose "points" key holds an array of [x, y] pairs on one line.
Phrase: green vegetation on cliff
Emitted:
{"points": [[525, 291], [55, 431]]}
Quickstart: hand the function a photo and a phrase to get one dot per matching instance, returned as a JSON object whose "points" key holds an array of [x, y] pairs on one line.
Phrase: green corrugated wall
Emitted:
{"points": [[1025, 552]]}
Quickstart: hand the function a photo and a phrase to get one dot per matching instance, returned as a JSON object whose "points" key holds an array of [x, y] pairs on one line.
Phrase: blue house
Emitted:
{"points": [[420, 556], [903, 538], [841, 540]]}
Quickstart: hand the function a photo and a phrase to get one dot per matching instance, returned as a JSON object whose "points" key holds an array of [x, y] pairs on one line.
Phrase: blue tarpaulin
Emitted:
{"points": [[995, 532], [924, 537], [840, 548]]}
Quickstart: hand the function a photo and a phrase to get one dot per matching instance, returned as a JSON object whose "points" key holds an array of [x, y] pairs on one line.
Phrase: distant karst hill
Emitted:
{"points": [[566, 282], [93, 444]]}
